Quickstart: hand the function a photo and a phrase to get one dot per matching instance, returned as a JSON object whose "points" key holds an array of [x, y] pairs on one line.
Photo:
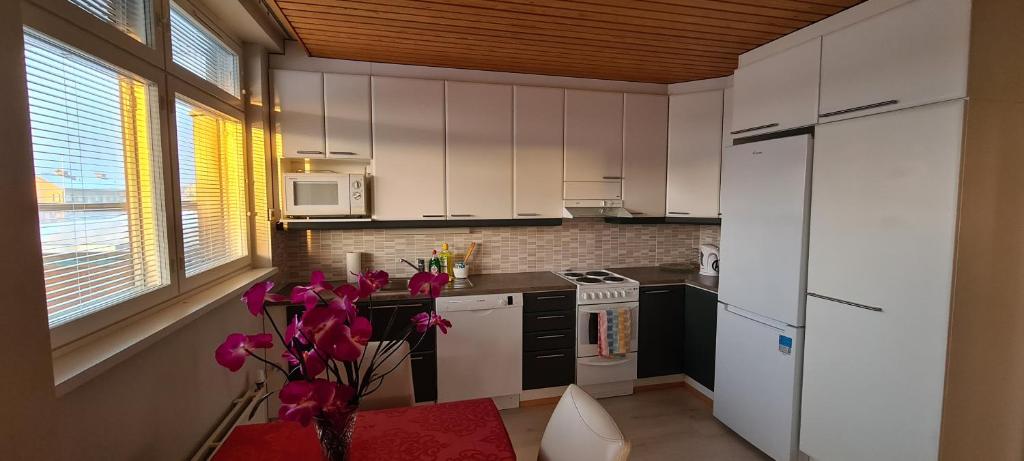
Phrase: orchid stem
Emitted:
{"points": [[261, 359]]}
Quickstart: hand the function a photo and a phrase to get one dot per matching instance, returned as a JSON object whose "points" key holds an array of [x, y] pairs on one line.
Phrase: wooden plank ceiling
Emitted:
{"points": [[658, 41]]}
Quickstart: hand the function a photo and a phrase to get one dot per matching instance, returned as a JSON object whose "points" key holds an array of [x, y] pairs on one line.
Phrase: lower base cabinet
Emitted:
{"points": [[700, 324], [424, 376], [548, 368], [661, 328], [549, 336]]}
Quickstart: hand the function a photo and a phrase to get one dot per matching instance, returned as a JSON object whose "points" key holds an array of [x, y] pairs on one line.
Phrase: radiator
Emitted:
{"points": [[238, 413]]}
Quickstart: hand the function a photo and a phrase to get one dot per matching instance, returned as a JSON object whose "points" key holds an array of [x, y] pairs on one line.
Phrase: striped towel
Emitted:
{"points": [[613, 330]]}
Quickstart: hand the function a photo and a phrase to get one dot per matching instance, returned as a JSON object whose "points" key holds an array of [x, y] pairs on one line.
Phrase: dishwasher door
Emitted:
{"points": [[482, 354]]}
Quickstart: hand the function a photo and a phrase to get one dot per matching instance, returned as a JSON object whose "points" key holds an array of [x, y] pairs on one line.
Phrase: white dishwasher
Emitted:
{"points": [[482, 354]]}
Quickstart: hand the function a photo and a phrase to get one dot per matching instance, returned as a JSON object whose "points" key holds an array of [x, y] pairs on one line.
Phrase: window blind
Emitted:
{"points": [[128, 16], [98, 177], [199, 51], [212, 171]]}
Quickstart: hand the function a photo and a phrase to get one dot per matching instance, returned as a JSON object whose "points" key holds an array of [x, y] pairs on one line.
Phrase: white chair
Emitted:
{"points": [[581, 430], [397, 390]]}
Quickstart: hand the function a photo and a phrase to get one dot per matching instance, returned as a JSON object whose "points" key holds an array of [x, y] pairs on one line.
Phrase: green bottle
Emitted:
{"points": [[435, 263]]}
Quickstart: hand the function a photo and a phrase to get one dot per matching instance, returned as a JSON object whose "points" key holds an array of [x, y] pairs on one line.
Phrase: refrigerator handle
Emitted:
{"points": [[848, 303], [730, 310]]}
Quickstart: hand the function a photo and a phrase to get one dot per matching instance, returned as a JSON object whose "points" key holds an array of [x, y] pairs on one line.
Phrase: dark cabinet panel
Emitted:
{"points": [[547, 340], [547, 301], [548, 321], [662, 314], [403, 311], [700, 326], [549, 368], [424, 376]]}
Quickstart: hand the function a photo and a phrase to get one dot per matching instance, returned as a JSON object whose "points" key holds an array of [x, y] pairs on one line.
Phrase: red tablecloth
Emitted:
{"points": [[466, 431]]}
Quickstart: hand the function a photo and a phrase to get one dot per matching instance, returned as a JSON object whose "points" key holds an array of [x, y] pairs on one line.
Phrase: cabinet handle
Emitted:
{"points": [[546, 317], [860, 108], [549, 356], [611, 177], [433, 216], [551, 297], [759, 127], [528, 214], [848, 303], [413, 359], [309, 152], [393, 306], [550, 336], [461, 215], [655, 292], [342, 153], [679, 212]]}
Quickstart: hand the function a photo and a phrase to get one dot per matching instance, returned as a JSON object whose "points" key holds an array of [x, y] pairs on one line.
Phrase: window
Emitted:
{"points": [[98, 179], [212, 172], [128, 16], [199, 51]]}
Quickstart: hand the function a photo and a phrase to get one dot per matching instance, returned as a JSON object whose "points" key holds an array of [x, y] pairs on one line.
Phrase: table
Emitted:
{"points": [[465, 431]]}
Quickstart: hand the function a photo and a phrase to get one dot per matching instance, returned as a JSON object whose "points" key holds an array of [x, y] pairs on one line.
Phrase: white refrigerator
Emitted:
{"points": [[762, 282]]}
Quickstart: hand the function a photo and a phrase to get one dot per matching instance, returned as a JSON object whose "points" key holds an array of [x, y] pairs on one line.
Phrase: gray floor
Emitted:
{"points": [[666, 424]]}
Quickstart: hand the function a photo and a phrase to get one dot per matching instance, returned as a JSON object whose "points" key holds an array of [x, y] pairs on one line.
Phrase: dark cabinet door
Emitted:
{"points": [[424, 376], [548, 368], [701, 323], [662, 318]]}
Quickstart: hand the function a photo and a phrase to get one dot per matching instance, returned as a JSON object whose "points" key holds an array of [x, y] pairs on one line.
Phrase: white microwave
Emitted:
{"points": [[325, 194]]}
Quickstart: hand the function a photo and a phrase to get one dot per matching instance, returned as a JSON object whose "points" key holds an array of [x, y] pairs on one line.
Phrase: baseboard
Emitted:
{"points": [[677, 380]]}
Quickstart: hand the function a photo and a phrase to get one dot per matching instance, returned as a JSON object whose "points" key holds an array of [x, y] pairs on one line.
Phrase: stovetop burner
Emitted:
{"points": [[598, 274], [573, 274], [588, 280], [612, 278]]}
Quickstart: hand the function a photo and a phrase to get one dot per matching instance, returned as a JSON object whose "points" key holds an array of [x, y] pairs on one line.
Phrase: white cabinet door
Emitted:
{"points": [[408, 146], [883, 223], [299, 112], [593, 136], [694, 155], [777, 93], [644, 154], [911, 55], [538, 142], [479, 150], [347, 116]]}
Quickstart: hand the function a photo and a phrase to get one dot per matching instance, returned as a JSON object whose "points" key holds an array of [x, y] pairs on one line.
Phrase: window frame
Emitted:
{"points": [[70, 25], [186, 75], [177, 87]]}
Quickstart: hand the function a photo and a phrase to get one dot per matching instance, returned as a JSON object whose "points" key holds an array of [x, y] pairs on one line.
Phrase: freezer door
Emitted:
{"points": [[765, 194], [757, 380]]}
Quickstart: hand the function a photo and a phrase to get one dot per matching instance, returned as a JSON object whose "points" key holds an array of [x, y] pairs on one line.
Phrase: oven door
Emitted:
{"points": [[586, 326], [315, 194]]}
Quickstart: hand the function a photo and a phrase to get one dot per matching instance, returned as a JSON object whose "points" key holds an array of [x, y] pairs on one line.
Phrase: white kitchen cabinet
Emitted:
{"points": [[694, 155], [881, 251], [911, 55], [299, 112], [644, 153], [538, 144], [593, 136], [479, 150], [408, 146], [347, 116], [777, 93]]}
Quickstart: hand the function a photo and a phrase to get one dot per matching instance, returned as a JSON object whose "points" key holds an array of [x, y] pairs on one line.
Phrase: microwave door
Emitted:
{"points": [[312, 197]]}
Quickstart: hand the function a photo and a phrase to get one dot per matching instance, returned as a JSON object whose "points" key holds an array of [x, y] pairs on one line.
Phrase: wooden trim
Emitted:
{"points": [[539, 402]]}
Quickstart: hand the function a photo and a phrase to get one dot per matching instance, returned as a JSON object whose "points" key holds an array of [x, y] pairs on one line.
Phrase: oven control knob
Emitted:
{"points": [[357, 195], [622, 293], [604, 294], [357, 184]]}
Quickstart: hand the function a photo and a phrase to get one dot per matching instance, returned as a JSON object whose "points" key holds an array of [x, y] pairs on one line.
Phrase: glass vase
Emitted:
{"points": [[335, 433]]}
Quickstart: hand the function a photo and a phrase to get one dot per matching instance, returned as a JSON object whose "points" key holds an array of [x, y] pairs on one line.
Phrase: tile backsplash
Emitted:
{"points": [[578, 243]]}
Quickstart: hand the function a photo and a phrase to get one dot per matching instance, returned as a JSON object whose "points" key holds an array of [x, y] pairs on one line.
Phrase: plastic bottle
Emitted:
{"points": [[446, 261], [435, 263]]}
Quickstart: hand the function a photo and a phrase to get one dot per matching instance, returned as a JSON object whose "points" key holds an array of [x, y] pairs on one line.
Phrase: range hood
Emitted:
{"points": [[593, 199]]}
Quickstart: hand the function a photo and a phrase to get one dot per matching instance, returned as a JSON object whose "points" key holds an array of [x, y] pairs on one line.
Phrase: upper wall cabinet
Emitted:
{"points": [[479, 150], [645, 152], [593, 136], [299, 112], [347, 111], [911, 55], [538, 145], [408, 146], [777, 93], [694, 155]]}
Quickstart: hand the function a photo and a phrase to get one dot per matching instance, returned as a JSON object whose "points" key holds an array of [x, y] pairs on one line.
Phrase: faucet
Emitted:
{"points": [[413, 266]]}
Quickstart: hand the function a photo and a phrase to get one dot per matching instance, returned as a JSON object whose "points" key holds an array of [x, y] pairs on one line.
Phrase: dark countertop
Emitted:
{"points": [[654, 276], [526, 282]]}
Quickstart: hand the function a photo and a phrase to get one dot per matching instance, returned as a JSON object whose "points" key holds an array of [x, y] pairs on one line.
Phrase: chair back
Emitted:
{"points": [[397, 390], [580, 429]]}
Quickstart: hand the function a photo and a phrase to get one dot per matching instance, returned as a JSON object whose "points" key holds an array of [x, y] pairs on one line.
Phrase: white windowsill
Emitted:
{"points": [[82, 360]]}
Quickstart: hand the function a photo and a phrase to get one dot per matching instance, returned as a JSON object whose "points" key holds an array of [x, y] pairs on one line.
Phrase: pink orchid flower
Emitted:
{"points": [[344, 304], [258, 294], [324, 327], [350, 347], [302, 400], [307, 294], [428, 284], [371, 282], [232, 353], [425, 320], [347, 291], [342, 397], [315, 364]]}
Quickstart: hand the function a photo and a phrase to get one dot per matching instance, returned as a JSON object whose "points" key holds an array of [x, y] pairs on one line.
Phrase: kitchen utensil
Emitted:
{"points": [[469, 252]]}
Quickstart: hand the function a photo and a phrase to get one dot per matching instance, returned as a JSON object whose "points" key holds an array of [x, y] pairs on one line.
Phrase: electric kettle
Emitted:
{"points": [[709, 260]]}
